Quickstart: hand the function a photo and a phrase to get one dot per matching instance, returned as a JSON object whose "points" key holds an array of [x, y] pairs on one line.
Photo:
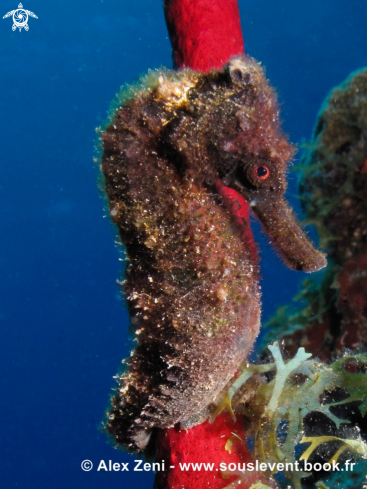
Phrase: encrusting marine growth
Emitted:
{"points": [[329, 318], [332, 314], [170, 151]]}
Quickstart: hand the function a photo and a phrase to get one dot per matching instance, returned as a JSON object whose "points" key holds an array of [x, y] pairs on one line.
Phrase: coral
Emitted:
{"points": [[170, 152]]}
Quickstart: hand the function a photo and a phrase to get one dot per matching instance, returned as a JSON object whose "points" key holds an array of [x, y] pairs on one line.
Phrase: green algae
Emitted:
{"points": [[300, 387]]}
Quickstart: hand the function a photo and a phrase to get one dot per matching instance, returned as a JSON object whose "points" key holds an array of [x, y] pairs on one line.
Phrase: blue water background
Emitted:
{"points": [[63, 326]]}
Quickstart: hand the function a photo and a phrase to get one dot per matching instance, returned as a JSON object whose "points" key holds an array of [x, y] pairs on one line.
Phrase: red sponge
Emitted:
{"points": [[204, 34], [204, 444]]}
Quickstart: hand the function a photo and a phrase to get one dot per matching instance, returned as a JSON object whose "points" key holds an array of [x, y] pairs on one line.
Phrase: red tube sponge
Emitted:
{"points": [[206, 443], [204, 34]]}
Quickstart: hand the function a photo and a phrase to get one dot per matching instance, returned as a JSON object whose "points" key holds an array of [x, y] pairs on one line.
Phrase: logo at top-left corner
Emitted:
{"points": [[20, 18]]}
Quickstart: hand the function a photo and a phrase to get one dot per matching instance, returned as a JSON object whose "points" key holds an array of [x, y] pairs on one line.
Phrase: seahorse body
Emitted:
{"points": [[192, 279]]}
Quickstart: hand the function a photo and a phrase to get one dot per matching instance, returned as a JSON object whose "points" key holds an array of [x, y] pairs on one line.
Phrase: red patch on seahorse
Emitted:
{"points": [[240, 212]]}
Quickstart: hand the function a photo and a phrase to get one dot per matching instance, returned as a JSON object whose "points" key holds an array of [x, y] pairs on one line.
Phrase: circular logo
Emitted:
{"points": [[20, 18]]}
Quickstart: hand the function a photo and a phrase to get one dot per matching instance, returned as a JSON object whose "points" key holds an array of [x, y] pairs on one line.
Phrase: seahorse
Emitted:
{"points": [[192, 290]]}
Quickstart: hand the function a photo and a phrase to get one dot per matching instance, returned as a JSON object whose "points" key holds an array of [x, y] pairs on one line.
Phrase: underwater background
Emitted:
{"points": [[64, 328]]}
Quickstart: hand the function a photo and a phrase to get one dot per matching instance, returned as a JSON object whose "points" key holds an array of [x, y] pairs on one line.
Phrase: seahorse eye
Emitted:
{"points": [[257, 172], [262, 172]]}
